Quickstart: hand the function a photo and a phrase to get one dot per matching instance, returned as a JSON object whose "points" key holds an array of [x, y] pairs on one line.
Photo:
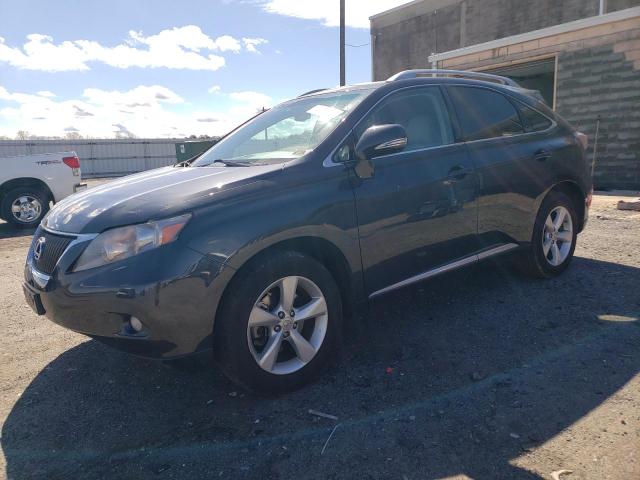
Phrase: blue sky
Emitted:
{"points": [[167, 68]]}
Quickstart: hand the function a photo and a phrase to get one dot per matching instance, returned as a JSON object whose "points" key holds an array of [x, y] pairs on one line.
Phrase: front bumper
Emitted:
{"points": [[173, 290]]}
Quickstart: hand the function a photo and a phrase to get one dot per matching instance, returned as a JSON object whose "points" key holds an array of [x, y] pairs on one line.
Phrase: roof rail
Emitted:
{"points": [[310, 92], [485, 77]]}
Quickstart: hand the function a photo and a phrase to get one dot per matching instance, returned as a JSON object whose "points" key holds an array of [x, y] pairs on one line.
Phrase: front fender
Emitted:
{"points": [[310, 201]]}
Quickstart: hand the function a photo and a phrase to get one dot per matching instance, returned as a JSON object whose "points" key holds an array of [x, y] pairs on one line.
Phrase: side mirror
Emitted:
{"points": [[381, 140]]}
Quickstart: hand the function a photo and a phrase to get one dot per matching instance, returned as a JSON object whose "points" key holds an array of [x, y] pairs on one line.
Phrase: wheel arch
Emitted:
{"points": [[575, 193], [322, 250], [25, 182]]}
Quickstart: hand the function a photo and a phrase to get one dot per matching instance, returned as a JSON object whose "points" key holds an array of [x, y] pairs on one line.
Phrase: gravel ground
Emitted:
{"points": [[481, 374]]}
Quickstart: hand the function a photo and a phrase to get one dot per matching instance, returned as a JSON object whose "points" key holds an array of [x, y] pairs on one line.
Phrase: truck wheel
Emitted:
{"points": [[554, 238], [25, 206], [280, 325]]}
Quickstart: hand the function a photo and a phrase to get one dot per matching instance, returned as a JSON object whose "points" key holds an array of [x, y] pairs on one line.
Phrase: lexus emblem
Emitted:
{"points": [[39, 248]]}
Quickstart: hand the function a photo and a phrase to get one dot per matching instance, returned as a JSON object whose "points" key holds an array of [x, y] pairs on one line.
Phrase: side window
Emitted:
{"points": [[485, 113], [533, 121], [422, 112]]}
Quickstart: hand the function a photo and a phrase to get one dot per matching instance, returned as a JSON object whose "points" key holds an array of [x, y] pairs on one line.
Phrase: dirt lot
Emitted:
{"points": [[481, 374]]}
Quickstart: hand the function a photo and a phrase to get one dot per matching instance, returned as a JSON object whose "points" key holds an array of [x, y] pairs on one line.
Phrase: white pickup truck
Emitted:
{"points": [[30, 183]]}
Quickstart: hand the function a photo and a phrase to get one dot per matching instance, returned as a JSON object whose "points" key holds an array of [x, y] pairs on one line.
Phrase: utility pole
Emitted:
{"points": [[343, 80]]}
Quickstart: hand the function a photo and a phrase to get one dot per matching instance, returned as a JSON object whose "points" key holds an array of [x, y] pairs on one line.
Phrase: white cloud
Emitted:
{"points": [[228, 43], [248, 103], [251, 43], [141, 96], [39, 53], [46, 93], [208, 119], [357, 12], [144, 111], [121, 130], [81, 112], [185, 47], [252, 99], [214, 89]]}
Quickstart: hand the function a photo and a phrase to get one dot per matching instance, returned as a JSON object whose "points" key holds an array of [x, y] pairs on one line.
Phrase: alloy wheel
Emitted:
{"points": [[26, 208], [557, 236], [287, 325]]}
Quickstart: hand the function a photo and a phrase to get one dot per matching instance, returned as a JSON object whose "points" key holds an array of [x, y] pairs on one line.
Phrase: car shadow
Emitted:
{"points": [[461, 375], [9, 231]]}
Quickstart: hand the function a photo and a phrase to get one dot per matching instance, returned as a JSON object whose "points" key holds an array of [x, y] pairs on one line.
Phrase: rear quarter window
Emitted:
{"points": [[533, 121]]}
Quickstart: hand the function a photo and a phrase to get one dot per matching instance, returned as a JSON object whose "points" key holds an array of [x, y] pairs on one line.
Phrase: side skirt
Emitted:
{"points": [[446, 268]]}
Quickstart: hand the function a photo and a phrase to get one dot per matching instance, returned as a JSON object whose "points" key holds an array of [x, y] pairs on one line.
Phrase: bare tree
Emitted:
{"points": [[22, 135], [73, 136]]}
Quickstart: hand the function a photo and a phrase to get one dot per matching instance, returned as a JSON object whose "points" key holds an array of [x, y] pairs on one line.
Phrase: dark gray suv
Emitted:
{"points": [[259, 248]]}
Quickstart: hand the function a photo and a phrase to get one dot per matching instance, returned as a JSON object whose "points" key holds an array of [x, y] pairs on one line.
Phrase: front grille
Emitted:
{"points": [[53, 248]]}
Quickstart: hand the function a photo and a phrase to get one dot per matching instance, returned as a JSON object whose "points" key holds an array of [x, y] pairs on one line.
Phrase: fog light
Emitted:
{"points": [[135, 324]]}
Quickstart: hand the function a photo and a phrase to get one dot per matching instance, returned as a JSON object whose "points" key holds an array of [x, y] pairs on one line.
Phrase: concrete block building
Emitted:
{"points": [[582, 55]]}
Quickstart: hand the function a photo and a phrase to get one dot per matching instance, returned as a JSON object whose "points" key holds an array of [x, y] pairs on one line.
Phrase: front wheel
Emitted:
{"points": [[25, 206], [280, 323], [554, 238]]}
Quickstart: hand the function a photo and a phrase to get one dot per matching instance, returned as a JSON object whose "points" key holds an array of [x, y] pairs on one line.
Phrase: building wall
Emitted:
{"points": [[492, 19], [407, 44], [600, 82], [615, 5], [402, 40], [101, 157], [597, 78]]}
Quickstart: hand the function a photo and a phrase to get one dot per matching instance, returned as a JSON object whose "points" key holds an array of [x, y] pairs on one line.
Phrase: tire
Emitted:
{"points": [[36, 199], [540, 260], [240, 350]]}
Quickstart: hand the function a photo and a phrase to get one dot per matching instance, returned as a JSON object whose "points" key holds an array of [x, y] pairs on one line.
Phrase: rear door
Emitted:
{"points": [[418, 211], [511, 152]]}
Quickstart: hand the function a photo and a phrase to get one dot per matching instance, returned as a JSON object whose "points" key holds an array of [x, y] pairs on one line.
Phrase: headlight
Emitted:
{"points": [[124, 242]]}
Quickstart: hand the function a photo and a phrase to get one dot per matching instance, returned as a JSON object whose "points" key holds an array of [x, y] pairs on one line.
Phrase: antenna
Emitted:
{"points": [[595, 147]]}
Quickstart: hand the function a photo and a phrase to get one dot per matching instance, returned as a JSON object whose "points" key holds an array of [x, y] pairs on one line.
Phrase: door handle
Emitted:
{"points": [[542, 155], [457, 173]]}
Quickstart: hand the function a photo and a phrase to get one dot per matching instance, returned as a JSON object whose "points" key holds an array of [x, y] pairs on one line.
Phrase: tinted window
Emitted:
{"points": [[422, 112], [485, 113], [533, 121]]}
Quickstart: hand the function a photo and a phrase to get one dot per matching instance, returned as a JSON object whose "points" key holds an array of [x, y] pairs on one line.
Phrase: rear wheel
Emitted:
{"points": [[554, 238], [25, 206], [280, 323]]}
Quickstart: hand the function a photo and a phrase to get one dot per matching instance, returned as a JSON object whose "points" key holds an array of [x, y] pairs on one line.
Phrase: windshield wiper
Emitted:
{"points": [[227, 163], [188, 161]]}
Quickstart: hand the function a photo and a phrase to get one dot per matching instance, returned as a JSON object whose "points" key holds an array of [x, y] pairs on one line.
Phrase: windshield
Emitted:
{"points": [[286, 132]]}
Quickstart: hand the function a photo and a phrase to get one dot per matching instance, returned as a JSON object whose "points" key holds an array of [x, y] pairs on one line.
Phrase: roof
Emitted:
{"points": [[355, 86]]}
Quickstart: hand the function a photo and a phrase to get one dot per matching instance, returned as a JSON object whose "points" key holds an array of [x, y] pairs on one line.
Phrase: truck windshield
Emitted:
{"points": [[286, 132]]}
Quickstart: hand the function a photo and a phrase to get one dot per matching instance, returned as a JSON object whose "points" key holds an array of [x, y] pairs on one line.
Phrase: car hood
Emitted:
{"points": [[153, 194]]}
